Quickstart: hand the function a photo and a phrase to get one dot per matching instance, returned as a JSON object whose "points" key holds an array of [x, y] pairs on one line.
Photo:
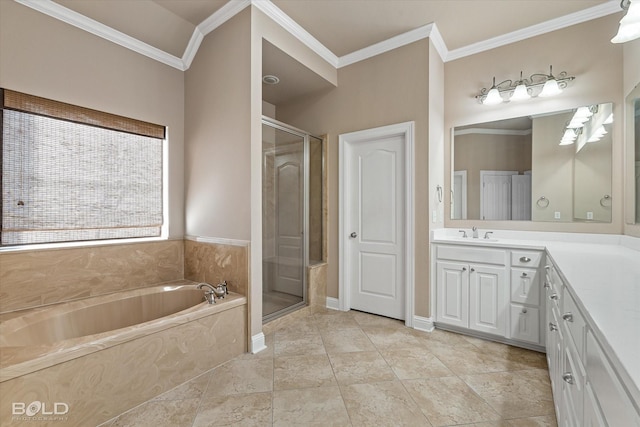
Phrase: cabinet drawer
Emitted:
{"points": [[616, 405], [573, 380], [525, 286], [572, 319], [531, 259], [469, 254], [525, 323]]}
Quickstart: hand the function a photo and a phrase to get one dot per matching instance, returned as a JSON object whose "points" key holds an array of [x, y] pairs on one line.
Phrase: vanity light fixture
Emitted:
{"points": [[543, 85], [630, 23]]}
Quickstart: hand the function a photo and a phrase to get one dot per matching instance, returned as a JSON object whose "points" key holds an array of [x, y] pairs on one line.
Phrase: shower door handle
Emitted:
{"points": [[353, 235]]}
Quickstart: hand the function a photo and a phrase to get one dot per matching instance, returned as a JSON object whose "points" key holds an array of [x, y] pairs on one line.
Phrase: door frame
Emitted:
{"points": [[407, 131], [484, 173], [463, 207]]}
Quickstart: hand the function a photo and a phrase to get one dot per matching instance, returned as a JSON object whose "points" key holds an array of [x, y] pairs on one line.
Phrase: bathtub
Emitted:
{"points": [[103, 355]]}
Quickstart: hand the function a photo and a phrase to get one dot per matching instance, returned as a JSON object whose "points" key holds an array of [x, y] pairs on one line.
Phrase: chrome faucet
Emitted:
{"points": [[221, 290], [209, 295], [475, 232], [486, 235], [464, 233]]}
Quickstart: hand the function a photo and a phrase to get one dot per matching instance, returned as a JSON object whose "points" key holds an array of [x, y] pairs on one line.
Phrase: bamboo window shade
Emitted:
{"points": [[71, 173]]}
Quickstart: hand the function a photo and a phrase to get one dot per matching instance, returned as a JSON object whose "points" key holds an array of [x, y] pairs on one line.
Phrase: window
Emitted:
{"points": [[74, 174]]}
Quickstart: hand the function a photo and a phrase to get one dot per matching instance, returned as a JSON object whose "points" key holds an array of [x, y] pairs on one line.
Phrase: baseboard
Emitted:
{"points": [[333, 303], [258, 343], [423, 323]]}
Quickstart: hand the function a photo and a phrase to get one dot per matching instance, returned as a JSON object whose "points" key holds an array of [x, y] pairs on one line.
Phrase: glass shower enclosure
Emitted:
{"points": [[291, 215]]}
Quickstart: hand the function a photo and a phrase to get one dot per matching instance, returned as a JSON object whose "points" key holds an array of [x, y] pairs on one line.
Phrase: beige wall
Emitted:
{"points": [[386, 89], [46, 57], [476, 152], [598, 79], [217, 137]]}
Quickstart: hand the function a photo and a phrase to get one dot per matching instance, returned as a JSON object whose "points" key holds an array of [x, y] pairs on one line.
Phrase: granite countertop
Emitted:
{"points": [[603, 274]]}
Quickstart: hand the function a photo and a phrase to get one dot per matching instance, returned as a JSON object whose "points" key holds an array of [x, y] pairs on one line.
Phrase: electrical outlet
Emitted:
{"points": [[556, 215], [589, 215]]}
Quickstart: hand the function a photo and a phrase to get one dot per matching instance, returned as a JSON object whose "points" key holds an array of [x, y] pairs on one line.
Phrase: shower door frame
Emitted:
{"points": [[275, 124]]}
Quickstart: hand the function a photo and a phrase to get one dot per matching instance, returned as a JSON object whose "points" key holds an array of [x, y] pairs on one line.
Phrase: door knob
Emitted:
{"points": [[353, 235]]}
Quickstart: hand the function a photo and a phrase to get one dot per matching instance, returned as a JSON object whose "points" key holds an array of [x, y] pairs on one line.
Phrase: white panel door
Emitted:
{"points": [[452, 291], [495, 200], [521, 197], [375, 221], [487, 299]]}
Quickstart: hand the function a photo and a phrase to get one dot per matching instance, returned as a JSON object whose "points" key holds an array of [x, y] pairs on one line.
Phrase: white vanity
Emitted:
{"points": [[575, 296]]}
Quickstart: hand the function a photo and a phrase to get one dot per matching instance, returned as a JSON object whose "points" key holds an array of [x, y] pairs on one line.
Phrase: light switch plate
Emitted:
{"points": [[556, 215]]}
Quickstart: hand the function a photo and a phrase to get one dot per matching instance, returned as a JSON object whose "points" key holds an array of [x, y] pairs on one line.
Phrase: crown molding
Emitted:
{"points": [[488, 131], [233, 7], [282, 19], [82, 22], [608, 8], [385, 46]]}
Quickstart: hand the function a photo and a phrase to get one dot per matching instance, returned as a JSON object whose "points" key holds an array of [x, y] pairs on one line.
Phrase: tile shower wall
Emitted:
{"points": [[213, 262], [38, 277]]}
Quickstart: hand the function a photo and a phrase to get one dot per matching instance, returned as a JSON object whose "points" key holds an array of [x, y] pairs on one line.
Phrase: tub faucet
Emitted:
{"points": [[221, 290], [209, 295], [475, 232]]}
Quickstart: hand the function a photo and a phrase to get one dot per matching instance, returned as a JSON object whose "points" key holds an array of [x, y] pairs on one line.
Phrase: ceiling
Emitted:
{"points": [[341, 26]]}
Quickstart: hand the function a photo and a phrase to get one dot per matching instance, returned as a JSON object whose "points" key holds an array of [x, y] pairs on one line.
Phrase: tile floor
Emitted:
{"points": [[355, 369]]}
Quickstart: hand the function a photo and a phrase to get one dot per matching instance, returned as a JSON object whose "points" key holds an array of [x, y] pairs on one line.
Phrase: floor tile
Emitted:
{"points": [[449, 401], [367, 319], [517, 394], [382, 404], [384, 337], [546, 421], [467, 359], [322, 406], [189, 390], [346, 341], [291, 372], [296, 344], [335, 320], [174, 413], [360, 367], [247, 410], [240, 376], [414, 363]]}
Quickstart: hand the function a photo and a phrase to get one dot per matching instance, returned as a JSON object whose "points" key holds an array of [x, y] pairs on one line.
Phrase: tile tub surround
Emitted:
{"points": [[602, 273], [355, 369], [214, 262], [125, 371], [36, 277]]}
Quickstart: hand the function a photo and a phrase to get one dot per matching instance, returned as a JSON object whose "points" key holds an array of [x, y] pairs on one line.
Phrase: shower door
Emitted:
{"points": [[283, 220]]}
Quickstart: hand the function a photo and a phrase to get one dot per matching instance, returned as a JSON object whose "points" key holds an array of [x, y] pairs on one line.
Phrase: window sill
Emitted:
{"points": [[83, 244]]}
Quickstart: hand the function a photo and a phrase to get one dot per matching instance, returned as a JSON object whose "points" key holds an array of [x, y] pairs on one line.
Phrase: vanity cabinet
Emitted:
{"points": [[492, 291], [586, 388]]}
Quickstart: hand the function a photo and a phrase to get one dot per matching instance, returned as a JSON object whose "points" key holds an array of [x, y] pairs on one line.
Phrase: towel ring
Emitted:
{"points": [[439, 191], [605, 199], [542, 202]]}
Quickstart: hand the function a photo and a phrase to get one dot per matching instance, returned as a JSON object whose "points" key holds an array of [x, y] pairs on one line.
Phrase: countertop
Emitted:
{"points": [[603, 273]]}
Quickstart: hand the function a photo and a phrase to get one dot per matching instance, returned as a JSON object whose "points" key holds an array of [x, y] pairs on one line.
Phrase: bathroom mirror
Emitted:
{"points": [[548, 167], [632, 156]]}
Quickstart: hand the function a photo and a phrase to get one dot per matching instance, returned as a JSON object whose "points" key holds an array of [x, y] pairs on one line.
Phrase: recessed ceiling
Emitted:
{"points": [[296, 80]]}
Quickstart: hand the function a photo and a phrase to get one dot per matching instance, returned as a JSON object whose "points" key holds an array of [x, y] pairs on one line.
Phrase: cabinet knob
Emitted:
{"points": [[547, 267], [552, 327], [568, 317], [524, 275], [546, 285], [524, 311], [473, 269], [568, 377], [525, 259], [464, 268], [553, 296]]}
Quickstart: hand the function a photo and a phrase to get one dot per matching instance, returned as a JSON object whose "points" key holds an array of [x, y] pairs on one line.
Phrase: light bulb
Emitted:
{"points": [[493, 97], [629, 24], [550, 88], [520, 93]]}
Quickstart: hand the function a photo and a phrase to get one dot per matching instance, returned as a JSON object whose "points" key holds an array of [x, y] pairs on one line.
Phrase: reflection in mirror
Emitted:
{"points": [[550, 167], [636, 132]]}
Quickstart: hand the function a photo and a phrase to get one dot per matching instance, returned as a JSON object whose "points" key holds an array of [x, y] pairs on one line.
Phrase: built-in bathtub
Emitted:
{"points": [[103, 355]]}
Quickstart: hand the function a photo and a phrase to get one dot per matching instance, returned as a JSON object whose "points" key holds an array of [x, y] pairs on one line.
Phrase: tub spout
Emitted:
{"points": [[209, 295]]}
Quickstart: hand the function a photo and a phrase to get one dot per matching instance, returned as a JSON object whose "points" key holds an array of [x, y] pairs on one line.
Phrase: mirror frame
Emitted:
{"points": [[629, 155]]}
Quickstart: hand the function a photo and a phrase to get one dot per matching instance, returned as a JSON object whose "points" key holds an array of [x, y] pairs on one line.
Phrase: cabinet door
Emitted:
{"points": [[487, 299], [452, 286], [592, 415], [525, 323]]}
